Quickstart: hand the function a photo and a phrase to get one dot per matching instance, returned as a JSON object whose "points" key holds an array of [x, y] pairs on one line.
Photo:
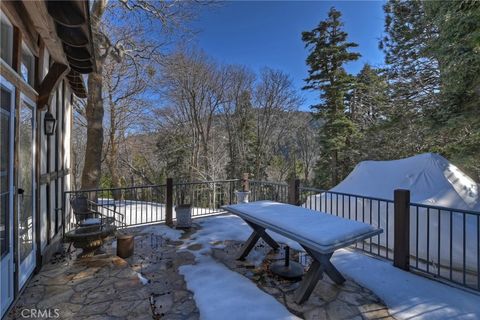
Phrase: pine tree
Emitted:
{"points": [[433, 69], [367, 106], [329, 51], [241, 145], [455, 124], [457, 48], [413, 76]]}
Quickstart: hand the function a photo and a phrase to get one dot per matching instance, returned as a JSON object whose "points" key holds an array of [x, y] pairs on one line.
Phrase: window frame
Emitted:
{"points": [[6, 20], [10, 170]]}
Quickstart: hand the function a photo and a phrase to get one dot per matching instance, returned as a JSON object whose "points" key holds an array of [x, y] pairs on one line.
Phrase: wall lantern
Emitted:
{"points": [[49, 123]]}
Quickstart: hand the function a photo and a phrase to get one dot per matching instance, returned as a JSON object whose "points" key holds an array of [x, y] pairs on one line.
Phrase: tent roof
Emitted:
{"points": [[431, 179]]}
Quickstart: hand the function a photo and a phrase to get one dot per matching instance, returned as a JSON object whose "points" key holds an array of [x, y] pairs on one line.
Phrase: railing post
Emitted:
{"points": [[169, 204], [294, 192], [401, 241]]}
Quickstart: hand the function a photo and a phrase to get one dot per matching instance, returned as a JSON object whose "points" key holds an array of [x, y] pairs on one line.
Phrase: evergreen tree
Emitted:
{"points": [[242, 144], [457, 48], [329, 51], [367, 106], [455, 124], [413, 76], [433, 68]]}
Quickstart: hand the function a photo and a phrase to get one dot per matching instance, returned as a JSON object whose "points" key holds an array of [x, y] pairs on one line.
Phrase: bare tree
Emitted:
{"points": [[195, 87], [135, 43], [274, 95]]}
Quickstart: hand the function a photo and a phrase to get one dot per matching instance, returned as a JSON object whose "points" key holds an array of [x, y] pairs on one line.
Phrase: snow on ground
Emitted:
{"points": [[224, 294], [164, 231], [219, 292], [407, 295], [144, 212], [142, 279]]}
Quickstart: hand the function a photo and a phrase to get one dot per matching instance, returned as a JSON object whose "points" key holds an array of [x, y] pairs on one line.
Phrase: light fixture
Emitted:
{"points": [[49, 123]]}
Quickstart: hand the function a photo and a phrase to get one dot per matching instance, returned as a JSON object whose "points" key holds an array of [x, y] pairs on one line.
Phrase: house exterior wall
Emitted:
{"points": [[51, 153]]}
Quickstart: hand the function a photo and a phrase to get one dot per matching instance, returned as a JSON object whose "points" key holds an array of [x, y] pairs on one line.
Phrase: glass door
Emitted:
{"points": [[26, 190], [7, 94]]}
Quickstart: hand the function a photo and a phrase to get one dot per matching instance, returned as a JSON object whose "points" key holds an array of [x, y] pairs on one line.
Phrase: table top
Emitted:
{"points": [[313, 229]]}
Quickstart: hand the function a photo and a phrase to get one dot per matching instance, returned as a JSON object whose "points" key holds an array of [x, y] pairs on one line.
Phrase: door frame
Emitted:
{"points": [[9, 262], [24, 274]]}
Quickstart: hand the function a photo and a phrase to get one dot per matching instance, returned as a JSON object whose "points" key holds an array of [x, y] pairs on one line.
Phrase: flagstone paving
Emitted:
{"points": [[149, 286]]}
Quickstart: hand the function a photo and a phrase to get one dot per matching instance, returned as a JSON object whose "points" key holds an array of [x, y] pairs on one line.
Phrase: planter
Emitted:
{"points": [[125, 245], [242, 196], [184, 216]]}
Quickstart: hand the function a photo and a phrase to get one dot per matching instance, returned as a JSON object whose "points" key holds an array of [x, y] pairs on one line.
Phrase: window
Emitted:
{"points": [[6, 50], [27, 67], [6, 102]]}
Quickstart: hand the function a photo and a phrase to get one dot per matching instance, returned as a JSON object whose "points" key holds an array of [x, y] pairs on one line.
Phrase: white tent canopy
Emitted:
{"points": [[431, 179]]}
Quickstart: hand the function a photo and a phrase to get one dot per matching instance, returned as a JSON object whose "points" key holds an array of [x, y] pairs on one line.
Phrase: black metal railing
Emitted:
{"points": [[205, 197], [141, 205], [135, 205], [443, 242], [262, 190], [374, 211]]}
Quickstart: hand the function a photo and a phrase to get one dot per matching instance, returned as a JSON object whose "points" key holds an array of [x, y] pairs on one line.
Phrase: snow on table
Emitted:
{"points": [[321, 228]]}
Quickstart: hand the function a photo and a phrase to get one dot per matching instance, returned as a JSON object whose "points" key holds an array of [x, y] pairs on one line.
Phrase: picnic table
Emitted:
{"points": [[320, 234]]}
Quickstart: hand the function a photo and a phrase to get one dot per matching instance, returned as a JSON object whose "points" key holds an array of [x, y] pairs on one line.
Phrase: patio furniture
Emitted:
{"points": [[92, 226], [89, 238], [320, 234], [87, 214]]}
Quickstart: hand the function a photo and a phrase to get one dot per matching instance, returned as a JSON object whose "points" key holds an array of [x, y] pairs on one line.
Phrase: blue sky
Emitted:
{"points": [[268, 33]]}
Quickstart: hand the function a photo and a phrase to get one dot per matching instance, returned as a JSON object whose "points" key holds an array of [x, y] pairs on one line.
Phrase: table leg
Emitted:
{"points": [[258, 232], [248, 246], [321, 263], [264, 235], [314, 273]]}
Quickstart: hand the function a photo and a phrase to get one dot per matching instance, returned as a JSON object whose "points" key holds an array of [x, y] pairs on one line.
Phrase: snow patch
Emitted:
{"points": [[142, 279], [223, 294], [163, 231], [407, 295]]}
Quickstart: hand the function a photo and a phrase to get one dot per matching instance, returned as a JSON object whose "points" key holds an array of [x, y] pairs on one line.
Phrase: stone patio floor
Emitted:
{"points": [[148, 285]]}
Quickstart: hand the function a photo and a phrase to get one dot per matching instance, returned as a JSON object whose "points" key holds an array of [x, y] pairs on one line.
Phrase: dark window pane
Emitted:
{"points": [[4, 143], [5, 97], [6, 49]]}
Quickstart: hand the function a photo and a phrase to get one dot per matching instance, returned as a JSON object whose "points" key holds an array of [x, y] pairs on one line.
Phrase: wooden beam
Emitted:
{"points": [[45, 26], [68, 13], [13, 77], [46, 89], [17, 49]]}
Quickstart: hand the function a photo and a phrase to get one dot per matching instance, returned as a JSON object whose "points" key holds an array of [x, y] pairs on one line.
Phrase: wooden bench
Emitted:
{"points": [[320, 234]]}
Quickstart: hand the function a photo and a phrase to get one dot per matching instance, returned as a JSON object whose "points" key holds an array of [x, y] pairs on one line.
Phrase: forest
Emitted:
{"points": [[158, 108]]}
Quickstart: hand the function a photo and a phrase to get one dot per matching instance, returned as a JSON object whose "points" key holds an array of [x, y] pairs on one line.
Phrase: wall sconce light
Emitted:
{"points": [[49, 123]]}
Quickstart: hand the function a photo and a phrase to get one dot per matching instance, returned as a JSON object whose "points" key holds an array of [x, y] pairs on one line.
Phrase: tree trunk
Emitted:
{"points": [[92, 167], [93, 151]]}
